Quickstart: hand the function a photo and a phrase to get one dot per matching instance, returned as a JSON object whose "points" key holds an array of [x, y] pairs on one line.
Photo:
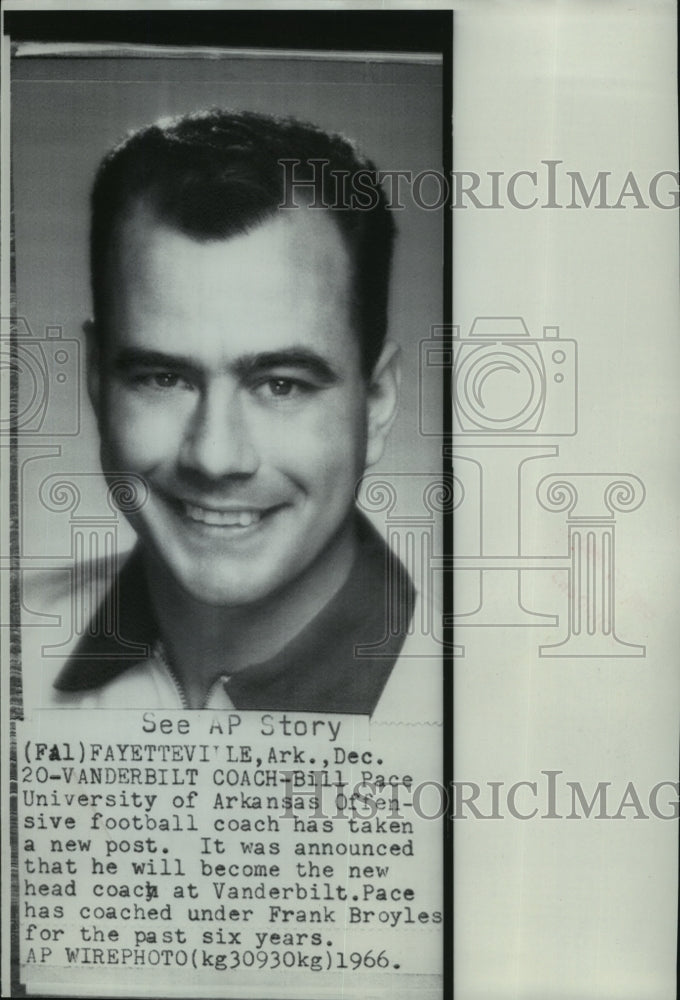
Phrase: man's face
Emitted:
{"points": [[230, 380]]}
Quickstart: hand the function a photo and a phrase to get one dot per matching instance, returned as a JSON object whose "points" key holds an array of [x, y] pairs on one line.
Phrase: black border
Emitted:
{"points": [[343, 30], [411, 31]]}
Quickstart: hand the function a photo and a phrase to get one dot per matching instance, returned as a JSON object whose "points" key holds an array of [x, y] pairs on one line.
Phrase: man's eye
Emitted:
{"points": [[160, 380], [283, 388], [165, 380]]}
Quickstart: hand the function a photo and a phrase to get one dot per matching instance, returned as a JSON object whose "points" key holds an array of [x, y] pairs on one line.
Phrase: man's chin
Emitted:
{"points": [[217, 583], [264, 566], [228, 597]]}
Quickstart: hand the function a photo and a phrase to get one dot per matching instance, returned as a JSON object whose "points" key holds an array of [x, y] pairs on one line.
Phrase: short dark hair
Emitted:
{"points": [[217, 173]]}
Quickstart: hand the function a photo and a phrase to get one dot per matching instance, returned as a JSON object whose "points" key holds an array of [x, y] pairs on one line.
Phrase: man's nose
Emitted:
{"points": [[218, 441]]}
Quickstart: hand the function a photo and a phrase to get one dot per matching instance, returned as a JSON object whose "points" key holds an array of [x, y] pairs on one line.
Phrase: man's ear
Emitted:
{"points": [[383, 399], [93, 362]]}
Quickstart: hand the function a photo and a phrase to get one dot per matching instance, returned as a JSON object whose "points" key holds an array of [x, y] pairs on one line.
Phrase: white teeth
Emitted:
{"points": [[222, 518]]}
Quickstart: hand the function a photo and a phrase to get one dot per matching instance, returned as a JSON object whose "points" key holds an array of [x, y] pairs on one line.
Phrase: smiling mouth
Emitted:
{"points": [[221, 518]]}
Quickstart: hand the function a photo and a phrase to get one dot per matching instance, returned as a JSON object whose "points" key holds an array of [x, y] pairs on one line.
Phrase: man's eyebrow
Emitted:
{"points": [[314, 364], [244, 367], [133, 357]]}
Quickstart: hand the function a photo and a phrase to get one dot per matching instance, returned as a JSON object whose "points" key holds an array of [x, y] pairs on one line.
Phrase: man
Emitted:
{"points": [[239, 368]]}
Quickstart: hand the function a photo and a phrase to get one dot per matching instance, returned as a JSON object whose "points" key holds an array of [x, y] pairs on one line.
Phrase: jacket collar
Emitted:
{"points": [[339, 662]]}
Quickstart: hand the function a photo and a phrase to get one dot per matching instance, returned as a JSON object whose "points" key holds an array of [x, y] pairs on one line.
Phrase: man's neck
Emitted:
{"points": [[203, 642]]}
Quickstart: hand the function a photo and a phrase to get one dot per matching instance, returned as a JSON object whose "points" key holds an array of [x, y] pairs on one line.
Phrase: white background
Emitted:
{"points": [[581, 908]]}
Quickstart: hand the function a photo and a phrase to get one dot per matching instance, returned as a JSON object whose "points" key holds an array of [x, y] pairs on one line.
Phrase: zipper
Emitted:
{"points": [[160, 654], [159, 650]]}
